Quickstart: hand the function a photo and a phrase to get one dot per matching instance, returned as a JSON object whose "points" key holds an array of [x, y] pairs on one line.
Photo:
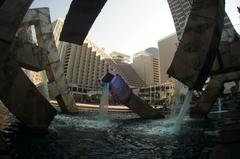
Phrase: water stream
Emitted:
{"points": [[177, 101], [183, 111], [219, 103], [104, 102]]}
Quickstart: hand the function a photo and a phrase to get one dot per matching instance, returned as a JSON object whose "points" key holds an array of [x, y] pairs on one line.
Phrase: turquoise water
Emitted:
{"points": [[123, 136], [219, 103], [183, 111], [104, 102]]}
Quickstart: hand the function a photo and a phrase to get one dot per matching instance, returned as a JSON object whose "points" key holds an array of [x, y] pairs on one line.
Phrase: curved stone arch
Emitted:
{"points": [[17, 92], [58, 84]]}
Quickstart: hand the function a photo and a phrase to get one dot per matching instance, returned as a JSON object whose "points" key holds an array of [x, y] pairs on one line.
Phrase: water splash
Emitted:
{"points": [[77, 122], [219, 102], [183, 111], [219, 110], [177, 101], [103, 107], [156, 127]]}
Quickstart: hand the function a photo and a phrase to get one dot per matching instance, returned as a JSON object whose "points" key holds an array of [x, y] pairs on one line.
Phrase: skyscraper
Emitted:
{"points": [[57, 28], [167, 47], [85, 65], [153, 51], [180, 10], [147, 67], [127, 72], [117, 56]]}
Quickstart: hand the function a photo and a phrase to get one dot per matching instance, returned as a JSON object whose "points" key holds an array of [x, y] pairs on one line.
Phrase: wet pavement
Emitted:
{"points": [[123, 135]]}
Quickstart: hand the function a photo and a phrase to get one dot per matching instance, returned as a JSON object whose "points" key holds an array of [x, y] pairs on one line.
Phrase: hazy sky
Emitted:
{"points": [[129, 26]]}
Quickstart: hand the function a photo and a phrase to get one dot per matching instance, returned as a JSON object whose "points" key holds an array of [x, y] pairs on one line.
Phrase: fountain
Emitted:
{"points": [[177, 101], [103, 107], [219, 103], [183, 111]]}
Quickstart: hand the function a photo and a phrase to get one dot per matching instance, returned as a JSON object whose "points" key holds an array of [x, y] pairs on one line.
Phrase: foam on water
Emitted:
{"points": [[155, 127], [77, 122], [159, 127], [217, 112], [149, 127]]}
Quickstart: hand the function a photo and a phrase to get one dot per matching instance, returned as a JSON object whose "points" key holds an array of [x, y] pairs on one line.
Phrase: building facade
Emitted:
{"points": [[127, 72], [117, 56], [85, 65], [158, 95], [147, 67], [180, 10], [167, 47], [153, 51], [57, 28]]}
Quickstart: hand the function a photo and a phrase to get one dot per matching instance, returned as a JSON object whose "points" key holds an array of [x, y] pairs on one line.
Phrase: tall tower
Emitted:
{"points": [[147, 67], [83, 65], [117, 56], [167, 47], [180, 10], [57, 28]]}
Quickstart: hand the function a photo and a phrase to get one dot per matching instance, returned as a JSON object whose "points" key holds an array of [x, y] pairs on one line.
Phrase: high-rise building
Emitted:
{"points": [[57, 28], [85, 65], [153, 51], [147, 67], [117, 56], [167, 47], [127, 72], [180, 10]]}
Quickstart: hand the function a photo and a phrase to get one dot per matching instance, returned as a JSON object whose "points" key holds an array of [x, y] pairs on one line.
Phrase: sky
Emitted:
{"points": [[130, 26]]}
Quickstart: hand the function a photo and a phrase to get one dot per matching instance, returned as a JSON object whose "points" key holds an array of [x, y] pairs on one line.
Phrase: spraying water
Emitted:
{"points": [[183, 111], [103, 108], [176, 104], [219, 104]]}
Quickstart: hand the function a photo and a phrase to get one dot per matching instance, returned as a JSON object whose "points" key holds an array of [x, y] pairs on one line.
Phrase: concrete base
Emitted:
{"points": [[23, 99], [142, 108]]}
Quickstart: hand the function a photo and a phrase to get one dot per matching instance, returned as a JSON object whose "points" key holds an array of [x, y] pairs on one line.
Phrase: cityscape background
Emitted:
{"points": [[130, 26], [136, 39]]}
